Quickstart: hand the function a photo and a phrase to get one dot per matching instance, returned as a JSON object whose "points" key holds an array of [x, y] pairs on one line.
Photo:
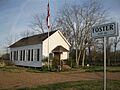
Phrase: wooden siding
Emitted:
{"points": [[26, 62], [55, 40]]}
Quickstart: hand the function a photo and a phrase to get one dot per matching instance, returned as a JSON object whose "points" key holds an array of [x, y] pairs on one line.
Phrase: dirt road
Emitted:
{"points": [[10, 80]]}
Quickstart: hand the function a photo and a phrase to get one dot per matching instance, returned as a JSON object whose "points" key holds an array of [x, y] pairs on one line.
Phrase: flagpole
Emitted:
{"points": [[48, 50], [48, 24]]}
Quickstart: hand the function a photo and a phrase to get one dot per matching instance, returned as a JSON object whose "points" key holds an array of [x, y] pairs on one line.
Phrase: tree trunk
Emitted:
{"points": [[108, 56], [115, 53], [78, 59], [108, 52], [71, 59], [77, 64], [94, 55], [83, 59], [90, 58]]}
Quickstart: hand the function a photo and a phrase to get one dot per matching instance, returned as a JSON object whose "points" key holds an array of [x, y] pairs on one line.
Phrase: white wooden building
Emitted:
{"points": [[30, 51]]}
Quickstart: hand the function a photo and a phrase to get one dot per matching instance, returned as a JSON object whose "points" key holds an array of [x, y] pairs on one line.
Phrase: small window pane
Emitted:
{"points": [[38, 52], [11, 56], [23, 55], [20, 55], [32, 55], [28, 55], [16, 55]]}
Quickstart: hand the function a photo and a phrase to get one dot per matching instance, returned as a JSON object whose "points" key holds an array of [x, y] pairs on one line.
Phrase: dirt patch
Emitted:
{"points": [[12, 81]]}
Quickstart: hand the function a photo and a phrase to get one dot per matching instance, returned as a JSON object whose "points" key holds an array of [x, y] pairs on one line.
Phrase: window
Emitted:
{"points": [[32, 55], [38, 52], [23, 55], [11, 56], [28, 55], [20, 55], [15, 55]]}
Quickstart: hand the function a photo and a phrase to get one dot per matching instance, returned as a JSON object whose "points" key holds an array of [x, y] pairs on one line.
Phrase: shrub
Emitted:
{"points": [[71, 62], [45, 59], [8, 63], [44, 68], [66, 68], [55, 64], [2, 64], [5, 56]]}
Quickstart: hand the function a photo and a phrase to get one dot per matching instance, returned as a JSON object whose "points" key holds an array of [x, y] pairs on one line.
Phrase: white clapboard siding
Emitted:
{"points": [[55, 40], [33, 63]]}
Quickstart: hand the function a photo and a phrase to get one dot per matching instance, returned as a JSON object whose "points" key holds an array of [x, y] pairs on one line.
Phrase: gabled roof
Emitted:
{"points": [[64, 38], [36, 39], [59, 49]]}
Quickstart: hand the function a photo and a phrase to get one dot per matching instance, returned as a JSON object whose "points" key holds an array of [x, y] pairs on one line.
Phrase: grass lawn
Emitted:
{"points": [[79, 85], [81, 69], [98, 69], [13, 68], [17, 69]]}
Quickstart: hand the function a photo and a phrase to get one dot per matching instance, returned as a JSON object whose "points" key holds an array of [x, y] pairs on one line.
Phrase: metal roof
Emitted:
{"points": [[36, 39]]}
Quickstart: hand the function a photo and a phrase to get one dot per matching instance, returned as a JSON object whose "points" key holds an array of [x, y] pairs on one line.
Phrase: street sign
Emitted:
{"points": [[105, 30]]}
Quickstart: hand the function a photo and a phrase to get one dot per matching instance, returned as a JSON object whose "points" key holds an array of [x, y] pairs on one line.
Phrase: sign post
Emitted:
{"points": [[105, 63], [105, 30]]}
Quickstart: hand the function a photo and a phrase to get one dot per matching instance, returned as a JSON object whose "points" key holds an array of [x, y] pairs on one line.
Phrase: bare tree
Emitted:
{"points": [[76, 22], [115, 43], [109, 46], [27, 33], [7, 42], [39, 24], [112, 43]]}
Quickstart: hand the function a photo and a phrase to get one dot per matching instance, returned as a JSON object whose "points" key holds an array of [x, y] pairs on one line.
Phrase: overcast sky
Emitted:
{"points": [[16, 15]]}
